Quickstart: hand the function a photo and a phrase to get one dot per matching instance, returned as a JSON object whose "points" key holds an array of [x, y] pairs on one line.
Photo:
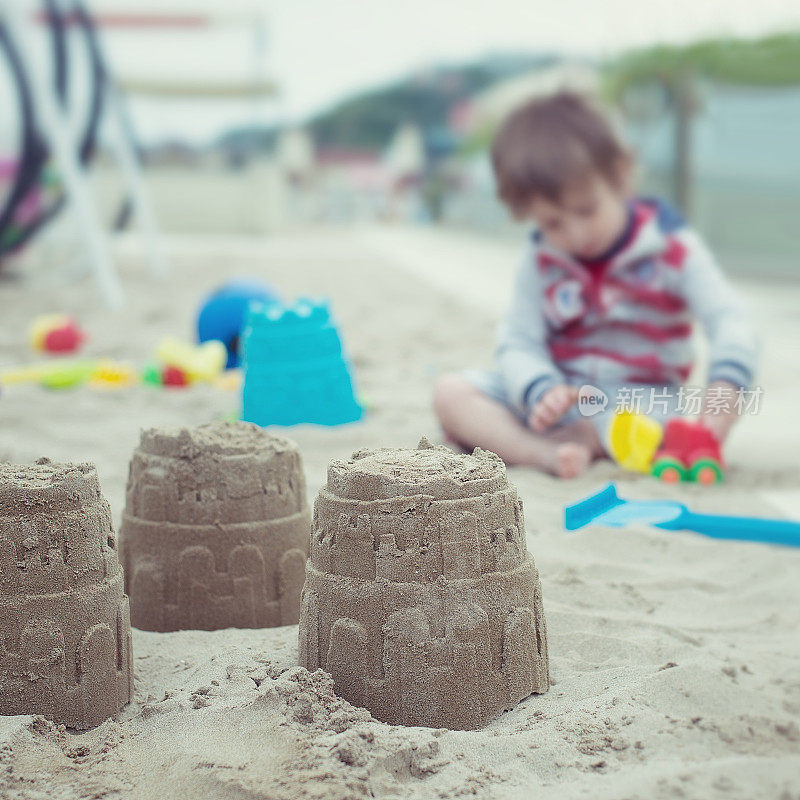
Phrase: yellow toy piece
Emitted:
{"points": [[113, 375], [42, 325], [52, 375], [229, 381], [202, 362], [634, 440], [59, 374], [18, 375]]}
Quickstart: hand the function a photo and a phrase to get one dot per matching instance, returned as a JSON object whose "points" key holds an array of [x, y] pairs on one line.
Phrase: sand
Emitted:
{"points": [[675, 659]]}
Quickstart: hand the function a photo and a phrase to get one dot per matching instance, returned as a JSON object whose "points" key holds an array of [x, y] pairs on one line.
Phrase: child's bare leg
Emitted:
{"points": [[573, 441], [470, 417]]}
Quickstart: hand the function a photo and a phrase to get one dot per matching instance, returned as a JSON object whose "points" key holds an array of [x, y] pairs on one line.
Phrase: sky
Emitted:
{"points": [[325, 49], [320, 51]]}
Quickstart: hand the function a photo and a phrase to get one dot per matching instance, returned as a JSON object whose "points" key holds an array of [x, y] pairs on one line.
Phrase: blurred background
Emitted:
{"points": [[165, 162], [249, 117]]}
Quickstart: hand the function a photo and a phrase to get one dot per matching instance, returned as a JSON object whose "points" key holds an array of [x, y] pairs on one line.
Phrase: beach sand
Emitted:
{"points": [[675, 658]]}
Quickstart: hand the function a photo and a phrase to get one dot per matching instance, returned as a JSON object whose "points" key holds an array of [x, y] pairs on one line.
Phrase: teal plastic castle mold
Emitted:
{"points": [[294, 366]]}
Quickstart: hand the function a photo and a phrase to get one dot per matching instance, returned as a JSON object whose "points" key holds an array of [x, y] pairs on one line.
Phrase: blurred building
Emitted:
{"points": [[354, 184]]}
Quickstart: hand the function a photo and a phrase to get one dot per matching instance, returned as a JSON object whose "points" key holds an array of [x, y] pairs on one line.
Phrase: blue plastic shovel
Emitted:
{"points": [[606, 507]]}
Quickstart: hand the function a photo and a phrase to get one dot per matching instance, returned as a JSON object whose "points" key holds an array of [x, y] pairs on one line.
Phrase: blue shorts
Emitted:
{"points": [[491, 383]]}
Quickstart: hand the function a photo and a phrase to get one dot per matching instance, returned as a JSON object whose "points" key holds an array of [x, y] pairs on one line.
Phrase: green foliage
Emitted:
{"points": [[478, 141], [771, 61]]}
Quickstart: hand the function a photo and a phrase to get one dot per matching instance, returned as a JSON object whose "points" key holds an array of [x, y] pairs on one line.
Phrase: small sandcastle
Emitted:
{"points": [[65, 637], [420, 596], [215, 529]]}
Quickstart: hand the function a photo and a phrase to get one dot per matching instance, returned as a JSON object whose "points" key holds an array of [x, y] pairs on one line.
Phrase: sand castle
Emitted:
{"points": [[65, 637], [420, 596], [215, 529]]}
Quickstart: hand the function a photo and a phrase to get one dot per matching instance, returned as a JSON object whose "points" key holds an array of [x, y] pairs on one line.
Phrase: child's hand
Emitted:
{"points": [[719, 409], [554, 404]]}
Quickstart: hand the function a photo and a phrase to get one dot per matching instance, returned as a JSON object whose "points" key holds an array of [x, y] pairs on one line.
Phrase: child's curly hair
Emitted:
{"points": [[551, 143]]}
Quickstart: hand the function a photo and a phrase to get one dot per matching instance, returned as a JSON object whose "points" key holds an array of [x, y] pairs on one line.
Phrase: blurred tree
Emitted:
{"points": [[771, 61], [369, 120]]}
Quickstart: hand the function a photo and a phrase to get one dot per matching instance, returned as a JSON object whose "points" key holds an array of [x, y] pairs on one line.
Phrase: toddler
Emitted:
{"points": [[605, 298]]}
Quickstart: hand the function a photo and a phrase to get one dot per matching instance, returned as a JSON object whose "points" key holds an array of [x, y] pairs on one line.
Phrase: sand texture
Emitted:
{"points": [[675, 658], [215, 529], [420, 597], [65, 637]]}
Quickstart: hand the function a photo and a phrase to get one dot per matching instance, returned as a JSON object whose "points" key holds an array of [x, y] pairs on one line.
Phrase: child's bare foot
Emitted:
{"points": [[571, 459], [470, 417]]}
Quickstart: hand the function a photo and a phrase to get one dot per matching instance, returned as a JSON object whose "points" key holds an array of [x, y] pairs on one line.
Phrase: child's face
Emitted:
{"points": [[588, 219]]}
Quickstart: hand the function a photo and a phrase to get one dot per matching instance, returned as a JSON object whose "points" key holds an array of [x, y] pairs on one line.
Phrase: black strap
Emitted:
{"points": [[35, 153]]}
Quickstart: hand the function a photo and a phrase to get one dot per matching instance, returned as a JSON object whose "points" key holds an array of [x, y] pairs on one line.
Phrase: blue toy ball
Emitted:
{"points": [[222, 314]]}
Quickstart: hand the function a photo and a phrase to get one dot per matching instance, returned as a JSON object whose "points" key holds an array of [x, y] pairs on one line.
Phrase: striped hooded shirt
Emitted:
{"points": [[625, 319]]}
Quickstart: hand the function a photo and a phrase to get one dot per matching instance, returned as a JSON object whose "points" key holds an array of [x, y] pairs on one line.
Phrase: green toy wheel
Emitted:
{"points": [[706, 471], [669, 470]]}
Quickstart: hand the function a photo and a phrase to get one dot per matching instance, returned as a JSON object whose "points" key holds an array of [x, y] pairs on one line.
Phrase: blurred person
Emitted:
{"points": [[606, 295]]}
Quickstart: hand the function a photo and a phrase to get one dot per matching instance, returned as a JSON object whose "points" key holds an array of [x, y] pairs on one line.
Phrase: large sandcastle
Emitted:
{"points": [[420, 596], [215, 529], [65, 637]]}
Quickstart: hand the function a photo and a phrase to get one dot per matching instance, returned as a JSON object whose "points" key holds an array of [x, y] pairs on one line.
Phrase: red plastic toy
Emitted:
{"points": [[172, 376], [55, 333], [63, 340], [689, 451]]}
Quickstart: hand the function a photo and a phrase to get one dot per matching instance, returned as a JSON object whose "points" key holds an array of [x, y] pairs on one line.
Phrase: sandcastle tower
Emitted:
{"points": [[65, 635], [294, 368], [215, 529], [420, 597]]}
